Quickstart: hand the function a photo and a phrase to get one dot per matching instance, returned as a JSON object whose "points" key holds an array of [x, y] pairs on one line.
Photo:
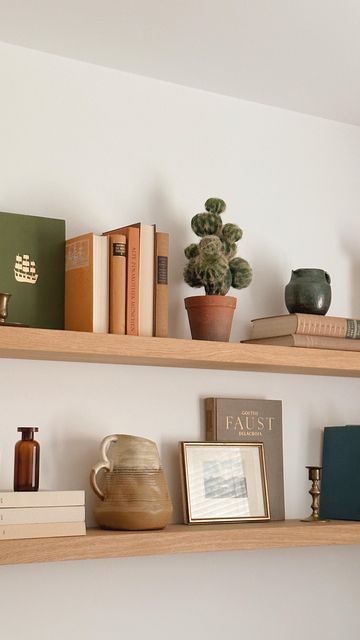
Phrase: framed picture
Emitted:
{"points": [[224, 482]]}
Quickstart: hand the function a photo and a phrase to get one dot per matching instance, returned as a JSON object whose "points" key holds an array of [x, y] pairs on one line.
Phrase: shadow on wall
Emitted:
{"points": [[71, 460], [267, 289], [352, 249]]}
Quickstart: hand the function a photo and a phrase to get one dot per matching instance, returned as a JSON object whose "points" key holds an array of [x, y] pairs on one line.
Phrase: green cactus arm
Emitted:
{"points": [[192, 276], [191, 251], [206, 224], [229, 249], [215, 205], [232, 232], [226, 284], [241, 273]]}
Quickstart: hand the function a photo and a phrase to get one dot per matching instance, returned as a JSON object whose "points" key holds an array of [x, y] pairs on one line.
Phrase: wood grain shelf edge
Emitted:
{"points": [[45, 344], [180, 538]]}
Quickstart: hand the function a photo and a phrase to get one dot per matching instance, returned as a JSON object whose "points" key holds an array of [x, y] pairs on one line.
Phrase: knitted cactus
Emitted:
{"points": [[212, 263]]}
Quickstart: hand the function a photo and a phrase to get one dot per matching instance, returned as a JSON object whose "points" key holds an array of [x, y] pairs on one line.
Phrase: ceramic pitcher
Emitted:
{"points": [[133, 491], [308, 291]]}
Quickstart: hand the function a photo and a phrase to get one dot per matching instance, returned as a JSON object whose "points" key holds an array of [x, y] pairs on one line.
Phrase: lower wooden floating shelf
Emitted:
{"points": [[179, 538]]}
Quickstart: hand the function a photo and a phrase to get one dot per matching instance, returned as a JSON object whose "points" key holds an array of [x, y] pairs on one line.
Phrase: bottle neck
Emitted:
{"points": [[27, 435]]}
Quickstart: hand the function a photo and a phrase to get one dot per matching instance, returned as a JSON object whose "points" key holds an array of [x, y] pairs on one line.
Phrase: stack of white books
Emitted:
{"points": [[41, 514]]}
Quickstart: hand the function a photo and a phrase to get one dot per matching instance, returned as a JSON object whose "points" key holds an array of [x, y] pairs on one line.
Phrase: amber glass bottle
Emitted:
{"points": [[27, 461]]}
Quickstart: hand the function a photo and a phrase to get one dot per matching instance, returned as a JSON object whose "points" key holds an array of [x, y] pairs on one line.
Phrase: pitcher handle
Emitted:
{"points": [[327, 277], [103, 464]]}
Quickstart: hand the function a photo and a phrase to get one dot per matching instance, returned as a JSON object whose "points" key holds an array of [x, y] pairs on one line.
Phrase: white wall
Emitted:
{"points": [[102, 148]]}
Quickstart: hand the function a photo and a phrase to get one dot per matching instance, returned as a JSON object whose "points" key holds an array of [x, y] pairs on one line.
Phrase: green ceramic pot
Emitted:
{"points": [[308, 291]]}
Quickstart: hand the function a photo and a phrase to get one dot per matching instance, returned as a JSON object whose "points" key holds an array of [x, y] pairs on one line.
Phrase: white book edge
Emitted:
{"points": [[42, 530], [10, 499], [101, 284], [146, 279], [37, 515]]}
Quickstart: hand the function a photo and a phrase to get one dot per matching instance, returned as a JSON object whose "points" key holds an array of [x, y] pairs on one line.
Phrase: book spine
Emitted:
{"points": [[79, 283], [328, 326], [10, 499], [132, 283], [210, 419], [324, 342], [117, 283], [42, 530], [101, 285], [146, 279], [161, 288], [37, 515]]}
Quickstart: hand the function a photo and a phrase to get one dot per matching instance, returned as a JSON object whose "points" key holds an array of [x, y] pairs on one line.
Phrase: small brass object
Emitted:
{"points": [[315, 477], [4, 301]]}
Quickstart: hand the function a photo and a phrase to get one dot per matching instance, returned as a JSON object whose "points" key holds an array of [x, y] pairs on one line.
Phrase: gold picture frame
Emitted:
{"points": [[224, 482]]}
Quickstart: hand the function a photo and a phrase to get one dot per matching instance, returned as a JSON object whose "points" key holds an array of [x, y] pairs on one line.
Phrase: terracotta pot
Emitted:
{"points": [[210, 317]]}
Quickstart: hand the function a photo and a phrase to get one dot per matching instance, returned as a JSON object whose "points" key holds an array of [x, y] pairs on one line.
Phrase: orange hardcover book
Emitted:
{"points": [[87, 284], [117, 283], [132, 277], [161, 288]]}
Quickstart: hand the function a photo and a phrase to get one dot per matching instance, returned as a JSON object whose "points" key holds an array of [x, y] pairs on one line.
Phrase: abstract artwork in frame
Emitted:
{"points": [[224, 482]]}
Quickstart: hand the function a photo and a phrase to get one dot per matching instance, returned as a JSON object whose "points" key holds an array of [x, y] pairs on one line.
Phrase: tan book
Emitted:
{"points": [[37, 515], [146, 278], [310, 342], [132, 276], [306, 323], [11, 499], [41, 530], [252, 420], [117, 284], [161, 289], [87, 284]]}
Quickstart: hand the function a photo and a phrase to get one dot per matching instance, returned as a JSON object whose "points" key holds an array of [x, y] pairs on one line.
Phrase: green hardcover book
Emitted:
{"points": [[340, 486], [32, 269]]}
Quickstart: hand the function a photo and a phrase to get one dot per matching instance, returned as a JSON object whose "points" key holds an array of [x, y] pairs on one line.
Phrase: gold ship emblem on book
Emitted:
{"points": [[25, 269]]}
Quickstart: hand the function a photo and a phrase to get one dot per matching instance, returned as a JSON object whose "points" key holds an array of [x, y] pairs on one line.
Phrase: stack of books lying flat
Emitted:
{"points": [[307, 330], [41, 514]]}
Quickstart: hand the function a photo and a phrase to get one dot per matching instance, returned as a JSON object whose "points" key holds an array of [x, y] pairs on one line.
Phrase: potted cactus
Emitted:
{"points": [[212, 264]]}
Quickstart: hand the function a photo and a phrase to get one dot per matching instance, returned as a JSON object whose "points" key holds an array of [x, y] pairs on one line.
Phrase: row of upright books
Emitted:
{"points": [[307, 330], [41, 514], [117, 282]]}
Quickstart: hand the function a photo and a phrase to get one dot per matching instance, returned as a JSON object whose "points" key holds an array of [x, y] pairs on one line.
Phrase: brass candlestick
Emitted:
{"points": [[4, 301], [315, 477]]}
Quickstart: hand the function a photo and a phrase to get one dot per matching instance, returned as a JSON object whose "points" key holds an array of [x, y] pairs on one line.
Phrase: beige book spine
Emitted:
{"points": [[43, 530], [330, 326], [161, 289], [10, 499], [37, 515], [117, 283]]}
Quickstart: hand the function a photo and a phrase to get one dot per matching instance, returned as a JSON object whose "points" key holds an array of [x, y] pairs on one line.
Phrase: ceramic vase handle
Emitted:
{"points": [[103, 464]]}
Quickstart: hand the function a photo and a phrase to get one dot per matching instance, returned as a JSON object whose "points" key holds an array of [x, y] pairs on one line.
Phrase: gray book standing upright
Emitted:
{"points": [[252, 420]]}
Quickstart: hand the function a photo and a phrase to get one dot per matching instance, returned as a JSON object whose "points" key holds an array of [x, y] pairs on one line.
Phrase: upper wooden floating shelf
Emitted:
{"points": [[76, 346], [179, 538]]}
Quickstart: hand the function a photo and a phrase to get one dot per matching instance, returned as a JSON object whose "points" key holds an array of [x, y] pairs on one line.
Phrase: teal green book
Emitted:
{"points": [[32, 269], [340, 485]]}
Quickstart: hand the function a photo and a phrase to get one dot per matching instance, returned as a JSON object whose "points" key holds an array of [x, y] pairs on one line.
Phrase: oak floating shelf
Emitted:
{"points": [[76, 346], [180, 539]]}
